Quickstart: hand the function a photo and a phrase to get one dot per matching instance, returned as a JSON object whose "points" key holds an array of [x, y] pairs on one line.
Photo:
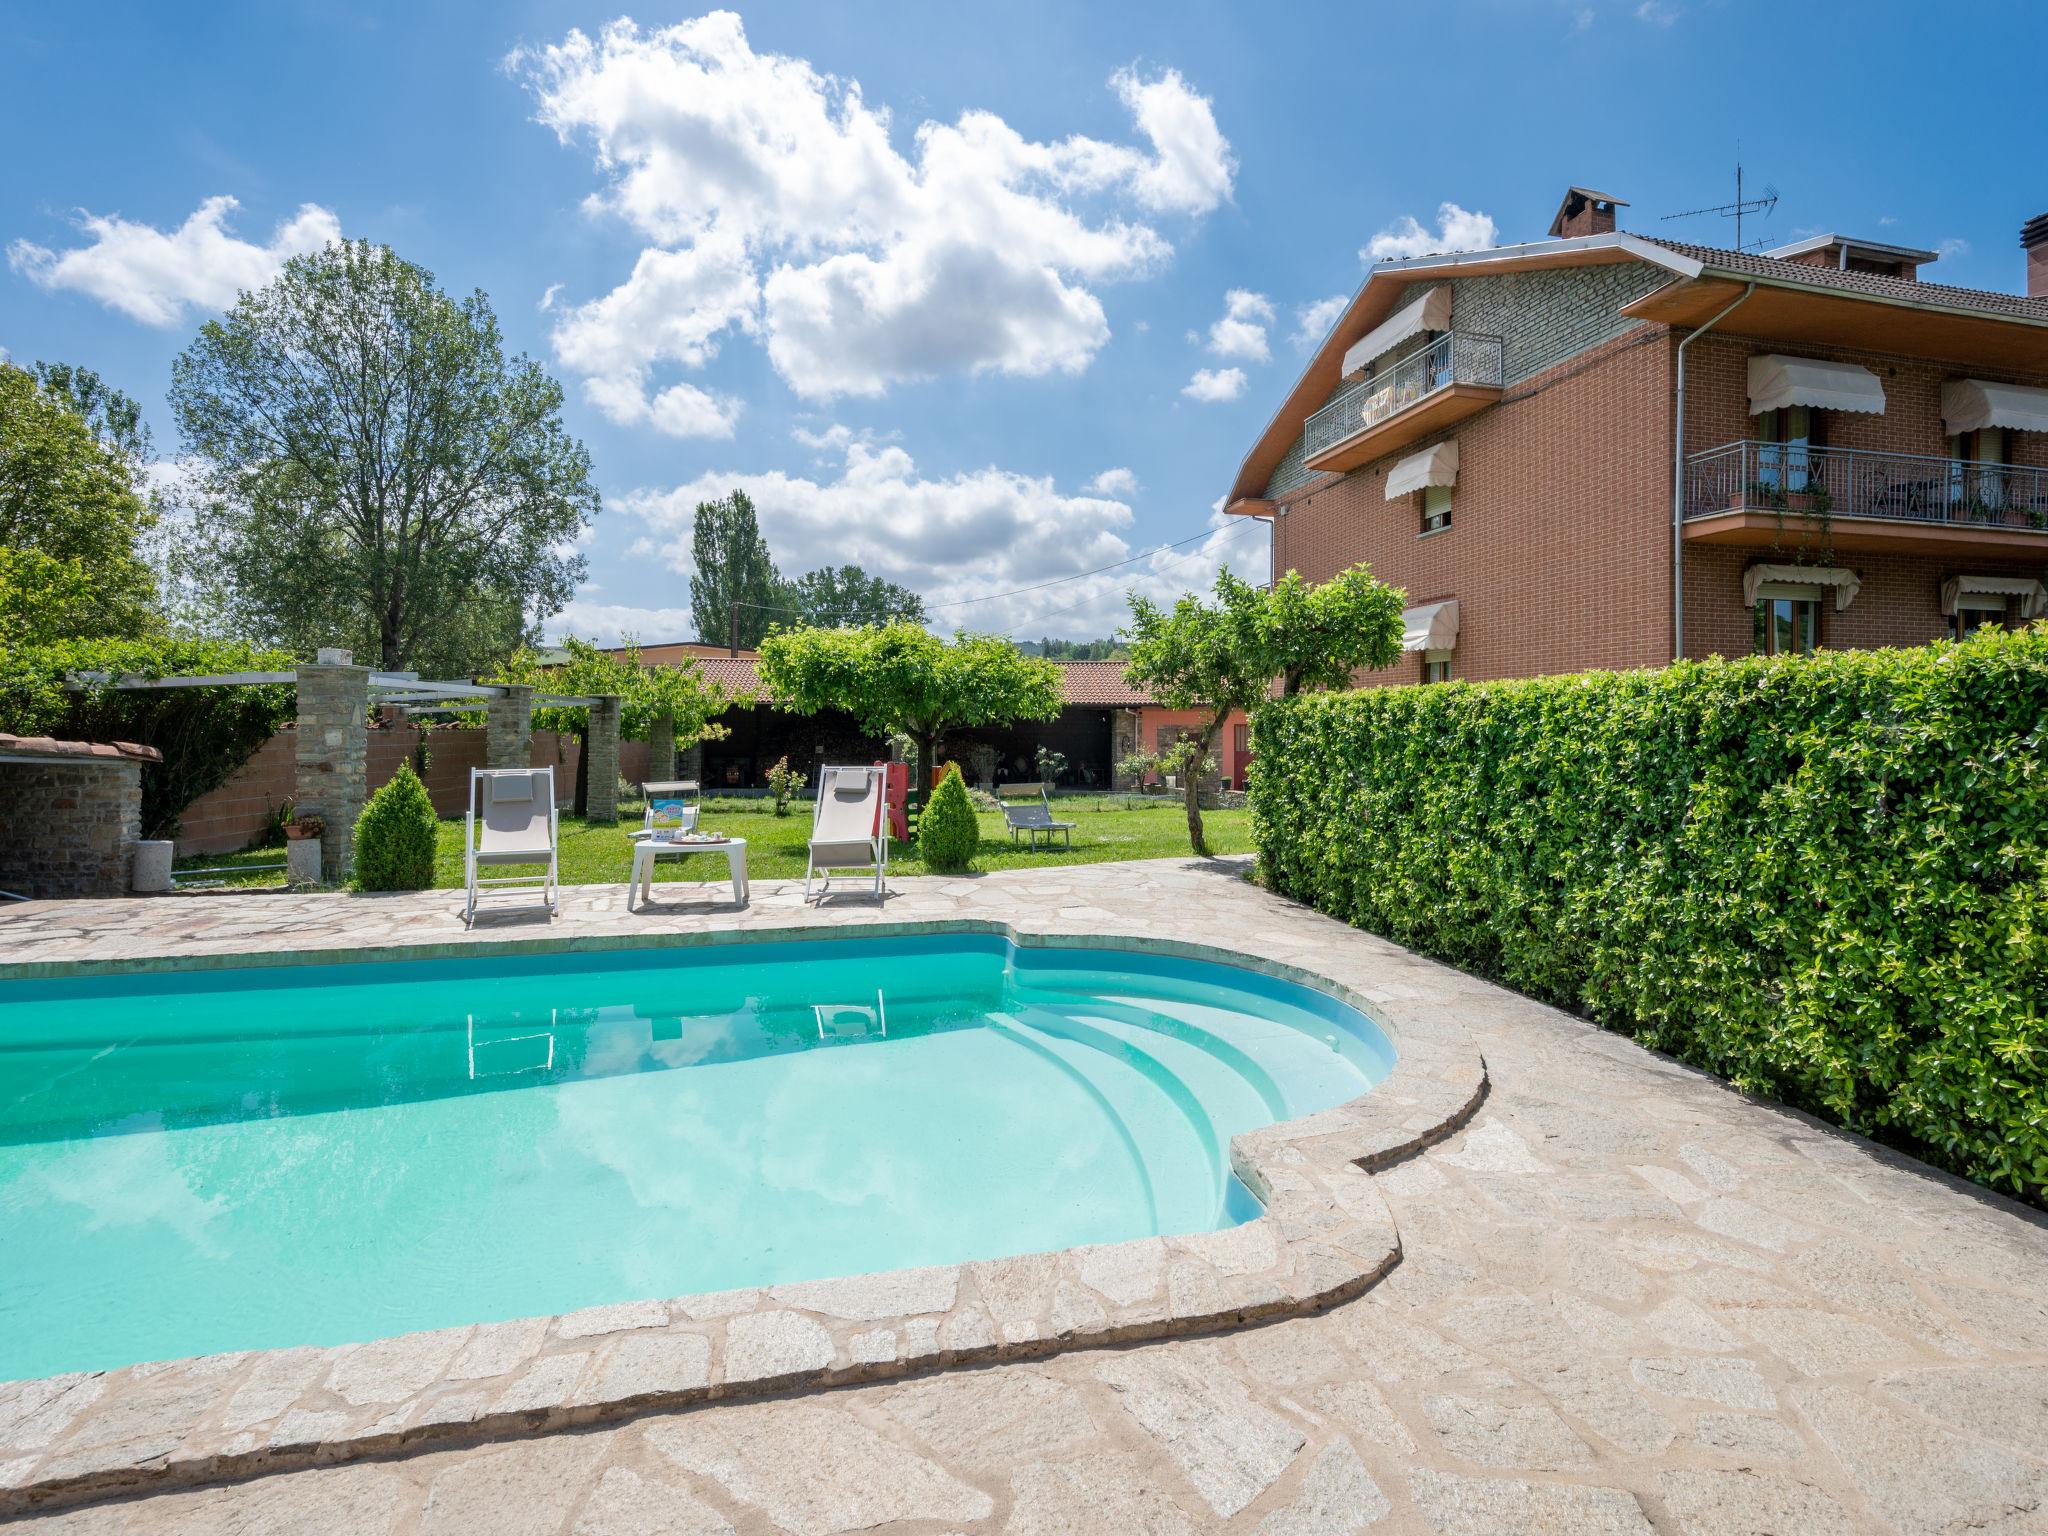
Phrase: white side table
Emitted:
{"points": [[648, 849]]}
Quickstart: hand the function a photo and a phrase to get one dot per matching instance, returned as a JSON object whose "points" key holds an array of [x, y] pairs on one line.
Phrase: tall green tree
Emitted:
{"points": [[735, 591], [903, 678], [377, 472], [72, 514], [113, 415], [1225, 658], [845, 596]]}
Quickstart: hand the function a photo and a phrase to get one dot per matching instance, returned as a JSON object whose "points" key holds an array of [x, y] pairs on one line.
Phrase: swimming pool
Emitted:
{"points": [[211, 1160]]}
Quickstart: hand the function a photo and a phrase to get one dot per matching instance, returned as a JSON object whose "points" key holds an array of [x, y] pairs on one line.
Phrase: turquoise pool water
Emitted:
{"points": [[215, 1160]]}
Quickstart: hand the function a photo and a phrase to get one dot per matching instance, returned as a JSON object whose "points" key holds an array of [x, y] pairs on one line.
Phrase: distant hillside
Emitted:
{"points": [[1074, 650]]}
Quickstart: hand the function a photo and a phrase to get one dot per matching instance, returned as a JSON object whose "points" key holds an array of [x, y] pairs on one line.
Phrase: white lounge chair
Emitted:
{"points": [[849, 827], [668, 808], [512, 820]]}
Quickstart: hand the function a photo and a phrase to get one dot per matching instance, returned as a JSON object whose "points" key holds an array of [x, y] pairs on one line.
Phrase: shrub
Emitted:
{"points": [[783, 781], [395, 836], [947, 833], [1825, 878]]}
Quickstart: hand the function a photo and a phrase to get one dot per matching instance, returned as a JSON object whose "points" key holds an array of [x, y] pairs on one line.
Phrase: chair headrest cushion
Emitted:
{"points": [[510, 789]]}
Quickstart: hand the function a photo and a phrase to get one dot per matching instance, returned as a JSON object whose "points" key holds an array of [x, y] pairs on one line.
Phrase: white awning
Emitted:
{"points": [[1432, 466], [1776, 381], [1431, 312], [1970, 405], [2032, 594], [1430, 627], [1758, 581]]}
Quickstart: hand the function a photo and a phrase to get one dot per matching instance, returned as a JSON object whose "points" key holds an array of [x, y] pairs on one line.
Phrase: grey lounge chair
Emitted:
{"points": [[1029, 818], [511, 821], [849, 827]]}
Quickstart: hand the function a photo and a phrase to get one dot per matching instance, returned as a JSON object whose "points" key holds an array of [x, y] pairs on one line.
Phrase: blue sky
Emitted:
{"points": [[993, 353]]}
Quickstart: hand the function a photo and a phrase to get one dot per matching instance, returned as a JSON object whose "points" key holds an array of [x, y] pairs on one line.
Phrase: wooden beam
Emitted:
{"points": [[130, 680]]}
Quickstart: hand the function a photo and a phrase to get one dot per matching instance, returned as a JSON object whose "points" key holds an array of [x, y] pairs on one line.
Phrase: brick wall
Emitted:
{"points": [[1717, 400], [1558, 551], [1899, 602], [69, 828], [234, 815]]}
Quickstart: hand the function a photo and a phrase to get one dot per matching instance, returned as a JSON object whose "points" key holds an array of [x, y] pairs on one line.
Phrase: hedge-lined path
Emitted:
{"points": [[1630, 1300]]}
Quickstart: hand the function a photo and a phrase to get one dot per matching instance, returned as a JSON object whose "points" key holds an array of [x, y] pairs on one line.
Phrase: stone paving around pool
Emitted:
{"points": [[1627, 1299]]}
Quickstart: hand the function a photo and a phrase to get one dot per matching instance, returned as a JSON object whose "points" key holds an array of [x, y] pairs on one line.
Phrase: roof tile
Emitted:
{"points": [[2017, 305]]}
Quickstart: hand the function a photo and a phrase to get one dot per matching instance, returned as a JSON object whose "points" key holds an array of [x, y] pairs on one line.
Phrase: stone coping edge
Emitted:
{"points": [[1325, 1236]]}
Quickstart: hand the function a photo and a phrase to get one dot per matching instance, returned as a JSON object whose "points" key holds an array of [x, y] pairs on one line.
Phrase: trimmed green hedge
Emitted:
{"points": [[1824, 878]]}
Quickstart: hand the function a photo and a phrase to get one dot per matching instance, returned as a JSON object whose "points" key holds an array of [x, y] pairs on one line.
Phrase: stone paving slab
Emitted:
{"points": [[1629, 1300]]}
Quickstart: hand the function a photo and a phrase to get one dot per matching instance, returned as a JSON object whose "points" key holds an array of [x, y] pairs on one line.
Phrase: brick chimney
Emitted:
{"points": [[1584, 212], [2034, 236]]}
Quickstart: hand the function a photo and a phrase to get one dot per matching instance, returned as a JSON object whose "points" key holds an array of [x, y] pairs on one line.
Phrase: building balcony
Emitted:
{"points": [[1441, 383], [1759, 494]]}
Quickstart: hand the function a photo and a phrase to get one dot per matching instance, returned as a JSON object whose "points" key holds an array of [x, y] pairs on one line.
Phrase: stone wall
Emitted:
{"points": [[68, 828], [601, 793], [333, 750]]}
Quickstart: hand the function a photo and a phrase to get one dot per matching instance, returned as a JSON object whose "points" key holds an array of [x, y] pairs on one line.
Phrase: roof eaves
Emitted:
{"points": [[1894, 300]]}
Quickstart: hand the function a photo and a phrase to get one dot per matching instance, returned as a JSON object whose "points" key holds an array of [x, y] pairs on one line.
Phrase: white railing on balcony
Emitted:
{"points": [[1456, 357], [1848, 482]]}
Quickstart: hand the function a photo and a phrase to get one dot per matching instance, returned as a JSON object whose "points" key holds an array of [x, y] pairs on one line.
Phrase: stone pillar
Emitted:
{"points": [[661, 748], [601, 776], [334, 754], [690, 763], [508, 728]]}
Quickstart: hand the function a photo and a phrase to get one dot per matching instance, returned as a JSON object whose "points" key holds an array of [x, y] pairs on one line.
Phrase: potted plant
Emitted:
{"points": [[302, 849]]}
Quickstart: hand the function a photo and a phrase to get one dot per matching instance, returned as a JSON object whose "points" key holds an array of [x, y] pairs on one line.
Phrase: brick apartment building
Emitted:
{"points": [[1604, 450]]}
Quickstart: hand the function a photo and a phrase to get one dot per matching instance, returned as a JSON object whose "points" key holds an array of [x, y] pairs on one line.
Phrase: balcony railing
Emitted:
{"points": [[1456, 357], [1848, 482]]}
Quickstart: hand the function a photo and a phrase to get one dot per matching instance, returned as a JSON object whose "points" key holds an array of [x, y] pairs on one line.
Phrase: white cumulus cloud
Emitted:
{"points": [[615, 623], [1242, 330], [1312, 322], [953, 538], [1457, 229], [1118, 481], [154, 275], [1213, 385], [777, 204]]}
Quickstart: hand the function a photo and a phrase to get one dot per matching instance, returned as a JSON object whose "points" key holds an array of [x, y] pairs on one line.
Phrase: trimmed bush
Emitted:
{"points": [[947, 833], [395, 836], [1825, 878]]}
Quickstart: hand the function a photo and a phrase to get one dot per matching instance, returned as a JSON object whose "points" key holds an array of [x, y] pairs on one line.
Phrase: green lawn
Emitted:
{"points": [[1108, 829]]}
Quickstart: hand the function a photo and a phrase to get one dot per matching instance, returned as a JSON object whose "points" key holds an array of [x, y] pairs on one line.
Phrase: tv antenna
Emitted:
{"points": [[1736, 209]]}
